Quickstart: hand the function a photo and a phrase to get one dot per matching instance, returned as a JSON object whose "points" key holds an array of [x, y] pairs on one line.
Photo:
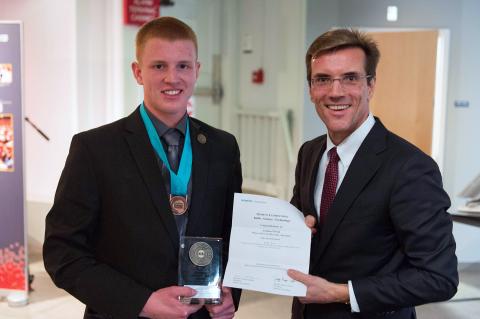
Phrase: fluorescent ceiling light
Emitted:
{"points": [[392, 13]]}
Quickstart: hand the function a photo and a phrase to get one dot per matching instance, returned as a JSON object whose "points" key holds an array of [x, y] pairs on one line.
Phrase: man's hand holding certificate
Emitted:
{"points": [[268, 237]]}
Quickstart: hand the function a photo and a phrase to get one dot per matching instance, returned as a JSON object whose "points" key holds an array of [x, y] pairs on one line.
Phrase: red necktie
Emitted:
{"points": [[329, 184]]}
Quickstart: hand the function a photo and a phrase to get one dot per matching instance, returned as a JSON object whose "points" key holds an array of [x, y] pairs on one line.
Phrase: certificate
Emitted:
{"points": [[268, 237]]}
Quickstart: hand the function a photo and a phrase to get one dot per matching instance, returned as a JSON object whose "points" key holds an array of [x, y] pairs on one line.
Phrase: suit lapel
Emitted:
{"points": [[147, 164], [364, 165], [201, 146], [312, 172]]}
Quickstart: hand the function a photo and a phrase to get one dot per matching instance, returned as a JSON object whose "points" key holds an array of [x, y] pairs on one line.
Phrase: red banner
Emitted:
{"points": [[137, 12]]}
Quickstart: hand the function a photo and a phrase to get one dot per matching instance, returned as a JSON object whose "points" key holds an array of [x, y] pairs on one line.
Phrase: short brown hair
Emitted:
{"points": [[168, 28], [338, 39]]}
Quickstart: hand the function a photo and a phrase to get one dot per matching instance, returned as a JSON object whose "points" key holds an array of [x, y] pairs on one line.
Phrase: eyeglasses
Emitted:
{"points": [[346, 81]]}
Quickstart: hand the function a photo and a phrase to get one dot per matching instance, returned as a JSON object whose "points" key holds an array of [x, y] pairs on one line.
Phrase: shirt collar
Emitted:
{"points": [[347, 149], [162, 128]]}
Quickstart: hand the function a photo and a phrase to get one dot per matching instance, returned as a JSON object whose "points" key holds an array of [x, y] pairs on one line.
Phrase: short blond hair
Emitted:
{"points": [[168, 28]]}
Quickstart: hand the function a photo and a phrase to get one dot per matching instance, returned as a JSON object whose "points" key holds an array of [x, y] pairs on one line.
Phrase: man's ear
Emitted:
{"points": [[310, 90], [197, 69], [137, 72], [371, 87]]}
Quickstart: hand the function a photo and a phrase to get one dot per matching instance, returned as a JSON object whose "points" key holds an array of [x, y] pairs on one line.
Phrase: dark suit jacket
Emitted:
{"points": [[111, 239], [387, 230]]}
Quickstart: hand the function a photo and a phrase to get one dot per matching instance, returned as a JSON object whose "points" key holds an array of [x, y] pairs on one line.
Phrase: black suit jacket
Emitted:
{"points": [[387, 230], [111, 239]]}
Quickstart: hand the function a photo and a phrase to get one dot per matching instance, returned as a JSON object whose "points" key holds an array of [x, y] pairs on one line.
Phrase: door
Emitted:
{"points": [[405, 87], [205, 18]]}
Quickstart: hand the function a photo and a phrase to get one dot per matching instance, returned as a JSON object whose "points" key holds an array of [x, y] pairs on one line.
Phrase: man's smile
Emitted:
{"points": [[172, 92], [337, 107]]}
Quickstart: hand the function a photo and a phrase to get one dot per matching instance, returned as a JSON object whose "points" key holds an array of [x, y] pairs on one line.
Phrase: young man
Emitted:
{"points": [[382, 236], [112, 235]]}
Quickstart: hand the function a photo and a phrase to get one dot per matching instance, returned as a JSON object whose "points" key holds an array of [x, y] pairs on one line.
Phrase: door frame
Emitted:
{"points": [[440, 91]]}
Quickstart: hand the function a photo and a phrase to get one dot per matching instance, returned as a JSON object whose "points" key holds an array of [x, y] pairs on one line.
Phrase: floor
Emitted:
{"points": [[47, 301]]}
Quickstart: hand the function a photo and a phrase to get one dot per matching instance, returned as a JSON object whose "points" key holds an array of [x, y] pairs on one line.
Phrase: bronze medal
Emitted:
{"points": [[178, 204]]}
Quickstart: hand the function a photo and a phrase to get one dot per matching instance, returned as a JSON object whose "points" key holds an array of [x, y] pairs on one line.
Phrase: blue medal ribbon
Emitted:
{"points": [[178, 181]]}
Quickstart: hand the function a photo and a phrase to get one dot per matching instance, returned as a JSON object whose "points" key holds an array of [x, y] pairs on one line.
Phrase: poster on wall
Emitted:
{"points": [[5, 74], [13, 252], [6, 143]]}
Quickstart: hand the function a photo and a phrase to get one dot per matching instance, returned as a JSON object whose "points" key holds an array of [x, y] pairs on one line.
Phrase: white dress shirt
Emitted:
{"points": [[346, 150]]}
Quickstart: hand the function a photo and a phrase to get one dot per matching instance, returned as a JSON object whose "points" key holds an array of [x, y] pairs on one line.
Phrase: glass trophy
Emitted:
{"points": [[200, 268]]}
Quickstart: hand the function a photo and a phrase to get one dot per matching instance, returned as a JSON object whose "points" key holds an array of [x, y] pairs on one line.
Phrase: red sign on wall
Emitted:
{"points": [[137, 12]]}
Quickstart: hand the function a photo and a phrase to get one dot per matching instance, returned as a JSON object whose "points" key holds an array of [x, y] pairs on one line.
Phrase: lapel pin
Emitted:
{"points": [[202, 139]]}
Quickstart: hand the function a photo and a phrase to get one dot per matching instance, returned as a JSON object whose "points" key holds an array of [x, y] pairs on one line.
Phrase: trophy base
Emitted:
{"points": [[205, 301], [209, 295]]}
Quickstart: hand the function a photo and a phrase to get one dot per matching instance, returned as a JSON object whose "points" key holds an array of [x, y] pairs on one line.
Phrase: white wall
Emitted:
{"points": [[276, 31], [100, 64], [462, 18], [49, 54], [132, 92]]}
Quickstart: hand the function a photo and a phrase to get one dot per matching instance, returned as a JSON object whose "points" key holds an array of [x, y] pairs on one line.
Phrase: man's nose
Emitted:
{"points": [[171, 75], [336, 89]]}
